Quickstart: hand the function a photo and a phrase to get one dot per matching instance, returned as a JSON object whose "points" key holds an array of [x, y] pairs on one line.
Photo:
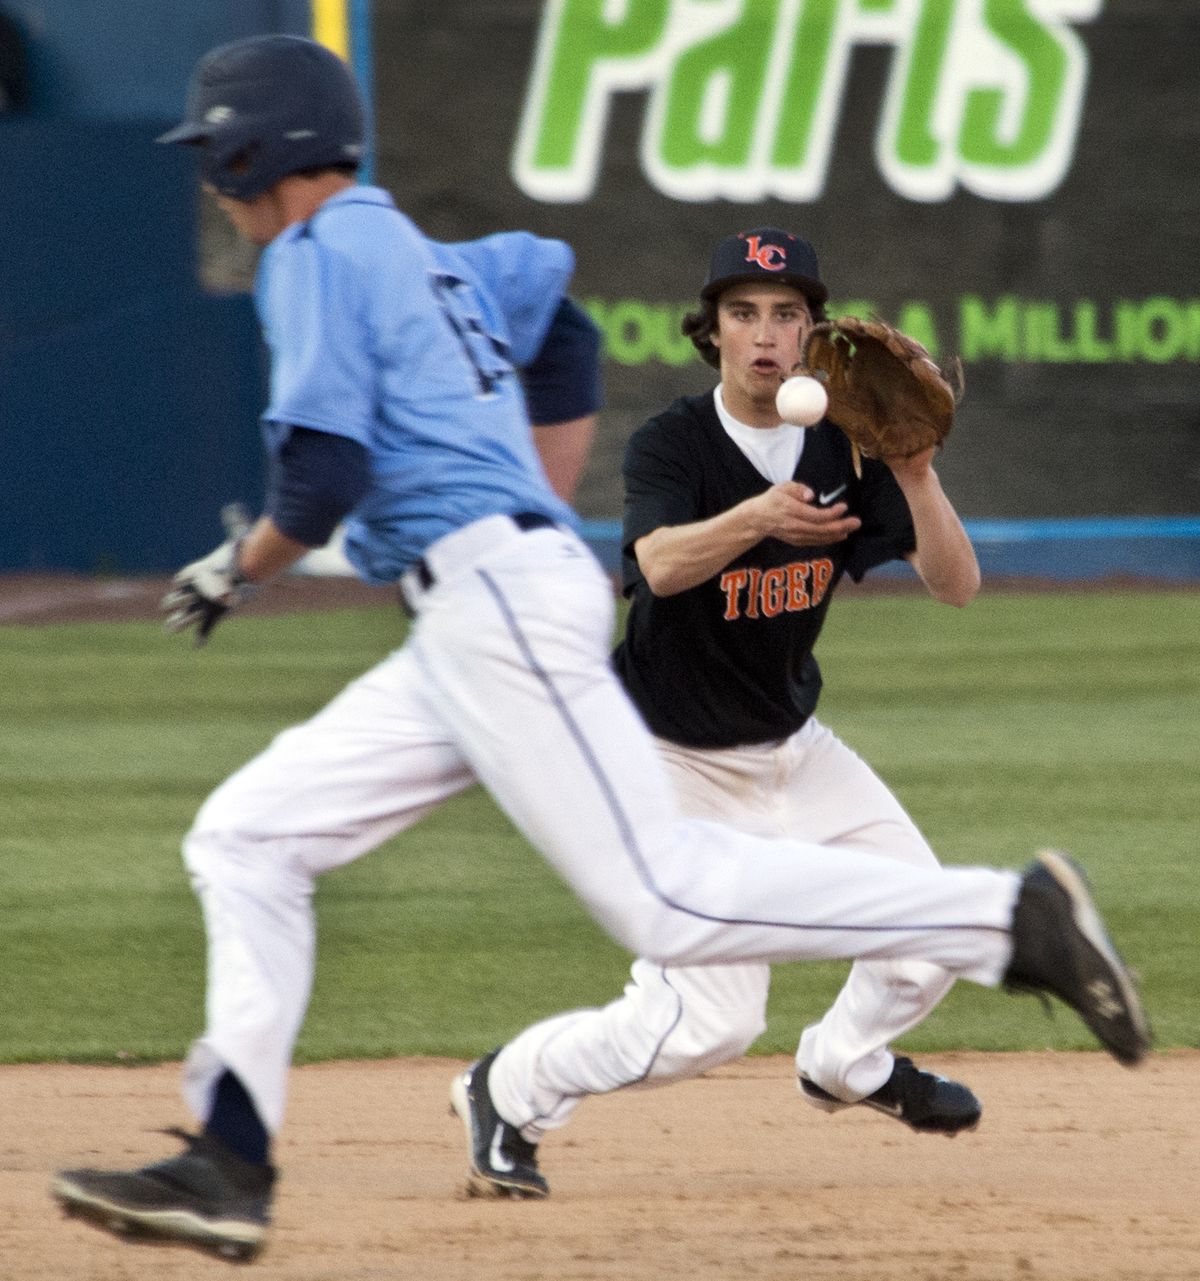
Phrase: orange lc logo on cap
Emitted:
{"points": [[768, 257]]}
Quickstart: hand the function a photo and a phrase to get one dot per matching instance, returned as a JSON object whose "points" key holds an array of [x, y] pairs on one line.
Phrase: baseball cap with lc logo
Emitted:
{"points": [[764, 254]]}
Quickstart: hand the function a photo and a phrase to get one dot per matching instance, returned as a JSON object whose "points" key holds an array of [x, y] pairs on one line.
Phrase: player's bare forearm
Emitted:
{"points": [[944, 559], [564, 448], [266, 551], [675, 558]]}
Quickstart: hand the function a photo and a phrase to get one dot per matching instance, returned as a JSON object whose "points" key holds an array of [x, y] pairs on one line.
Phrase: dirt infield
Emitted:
{"points": [[1080, 1170]]}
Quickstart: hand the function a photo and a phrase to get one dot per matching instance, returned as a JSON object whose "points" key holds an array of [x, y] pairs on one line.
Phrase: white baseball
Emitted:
{"points": [[801, 400]]}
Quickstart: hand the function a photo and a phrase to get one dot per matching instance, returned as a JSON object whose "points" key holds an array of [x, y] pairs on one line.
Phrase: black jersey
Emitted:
{"points": [[730, 661]]}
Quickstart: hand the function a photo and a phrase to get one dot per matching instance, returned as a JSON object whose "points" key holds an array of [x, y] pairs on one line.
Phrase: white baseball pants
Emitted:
{"points": [[505, 678], [672, 1022]]}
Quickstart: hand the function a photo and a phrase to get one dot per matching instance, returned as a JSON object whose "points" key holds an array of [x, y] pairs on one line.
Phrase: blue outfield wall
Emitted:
{"points": [[128, 397], [130, 59], [1159, 547], [1165, 548]]}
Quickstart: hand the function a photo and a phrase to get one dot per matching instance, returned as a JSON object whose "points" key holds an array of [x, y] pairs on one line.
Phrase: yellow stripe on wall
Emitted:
{"points": [[331, 25]]}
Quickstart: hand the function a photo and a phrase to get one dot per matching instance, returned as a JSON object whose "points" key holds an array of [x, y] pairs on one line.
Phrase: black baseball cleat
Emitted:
{"points": [[503, 1164], [1060, 946], [923, 1100], [206, 1197]]}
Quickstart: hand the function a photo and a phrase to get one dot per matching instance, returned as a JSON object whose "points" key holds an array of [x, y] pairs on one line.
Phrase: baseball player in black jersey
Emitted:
{"points": [[737, 531]]}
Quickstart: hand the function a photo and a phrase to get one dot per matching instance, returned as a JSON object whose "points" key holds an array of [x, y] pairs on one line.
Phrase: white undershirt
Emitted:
{"points": [[774, 451]]}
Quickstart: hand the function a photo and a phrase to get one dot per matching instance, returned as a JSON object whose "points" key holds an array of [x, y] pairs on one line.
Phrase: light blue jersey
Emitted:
{"points": [[409, 347]]}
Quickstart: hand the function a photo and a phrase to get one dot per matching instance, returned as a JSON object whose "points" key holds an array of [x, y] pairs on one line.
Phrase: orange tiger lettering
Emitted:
{"points": [[774, 591], [732, 583], [752, 593], [797, 595], [822, 576]]}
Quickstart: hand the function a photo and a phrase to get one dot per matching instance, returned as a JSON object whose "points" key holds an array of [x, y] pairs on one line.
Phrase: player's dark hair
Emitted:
{"points": [[701, 324], [315, 171]]}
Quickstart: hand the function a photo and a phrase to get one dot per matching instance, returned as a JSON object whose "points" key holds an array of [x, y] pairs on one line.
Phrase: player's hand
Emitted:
{"points": [[792, 513], [913, 467], [203, 592]]}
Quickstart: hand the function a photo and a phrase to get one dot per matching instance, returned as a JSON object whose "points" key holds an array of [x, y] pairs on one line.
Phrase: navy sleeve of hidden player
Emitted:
{"points": [[887, 529], [562, 381], [314, 481]]}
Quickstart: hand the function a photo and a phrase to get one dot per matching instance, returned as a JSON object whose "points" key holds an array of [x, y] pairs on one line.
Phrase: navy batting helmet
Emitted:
{"points": [[268, 106]]}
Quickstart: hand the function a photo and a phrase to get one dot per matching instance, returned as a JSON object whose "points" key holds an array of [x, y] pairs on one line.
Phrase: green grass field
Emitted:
{"points": [[1023, 721]]}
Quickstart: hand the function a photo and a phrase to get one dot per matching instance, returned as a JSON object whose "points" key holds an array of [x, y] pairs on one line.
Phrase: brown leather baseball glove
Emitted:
{"points": [[884, 390]]}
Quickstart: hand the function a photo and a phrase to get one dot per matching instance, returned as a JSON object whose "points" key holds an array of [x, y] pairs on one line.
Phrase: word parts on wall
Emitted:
{"points": [[743, 98]]}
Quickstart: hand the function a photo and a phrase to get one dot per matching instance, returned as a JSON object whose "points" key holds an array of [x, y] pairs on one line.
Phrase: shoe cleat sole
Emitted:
{"points": [[235, 1242]]}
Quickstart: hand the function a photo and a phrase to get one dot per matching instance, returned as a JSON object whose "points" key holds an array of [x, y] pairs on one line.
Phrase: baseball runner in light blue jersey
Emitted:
{"points": [[358, 351], [395, 403]]}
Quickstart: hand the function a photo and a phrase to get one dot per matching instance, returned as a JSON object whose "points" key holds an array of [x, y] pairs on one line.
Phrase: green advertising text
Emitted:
{"points": [[743, 98], [1156, 330]]}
